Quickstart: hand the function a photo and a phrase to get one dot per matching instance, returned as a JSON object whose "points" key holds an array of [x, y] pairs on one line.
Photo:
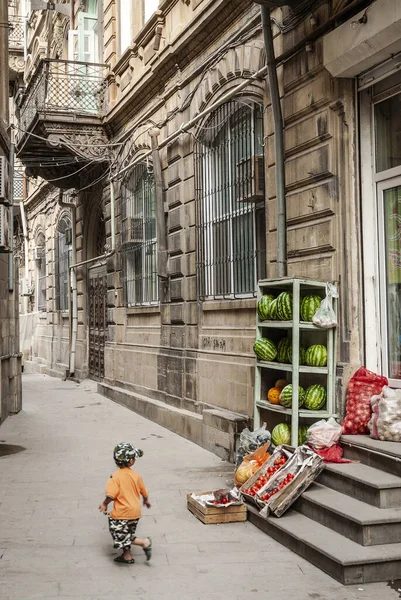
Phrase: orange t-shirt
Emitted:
{"points": [[126, 487]]}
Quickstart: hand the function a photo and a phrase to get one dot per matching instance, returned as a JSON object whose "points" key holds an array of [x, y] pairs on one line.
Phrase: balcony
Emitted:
{"points": [[61, 115]]}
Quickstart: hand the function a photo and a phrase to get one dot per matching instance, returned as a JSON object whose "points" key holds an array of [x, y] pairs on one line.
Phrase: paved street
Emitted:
{"points": [[55, 544]]}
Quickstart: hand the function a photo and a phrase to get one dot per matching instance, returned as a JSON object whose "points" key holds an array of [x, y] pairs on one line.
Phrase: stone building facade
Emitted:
{"points": [[10, 358], [170, 239]]}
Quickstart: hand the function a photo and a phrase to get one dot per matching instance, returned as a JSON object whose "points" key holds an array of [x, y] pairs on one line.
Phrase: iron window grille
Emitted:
{"points": [[139, 249], [229, 182], [63, 261]]}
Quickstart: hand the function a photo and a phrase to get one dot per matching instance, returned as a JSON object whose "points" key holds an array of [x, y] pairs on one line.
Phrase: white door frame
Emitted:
{"points": [[373, 186]]}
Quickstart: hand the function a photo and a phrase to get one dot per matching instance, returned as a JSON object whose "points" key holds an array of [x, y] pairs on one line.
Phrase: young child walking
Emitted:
{"points": [[124, 489]]}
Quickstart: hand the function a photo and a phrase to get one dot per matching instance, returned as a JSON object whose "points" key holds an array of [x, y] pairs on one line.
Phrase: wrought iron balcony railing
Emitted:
{"points": [[16, 34], [62, 86]]}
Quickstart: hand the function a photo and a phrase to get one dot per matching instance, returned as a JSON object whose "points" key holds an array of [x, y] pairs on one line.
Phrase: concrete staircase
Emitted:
{"points": [[348, 523]]}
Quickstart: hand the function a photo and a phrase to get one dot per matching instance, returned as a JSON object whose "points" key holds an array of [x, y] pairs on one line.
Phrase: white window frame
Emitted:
{"points": [[373, 186]]}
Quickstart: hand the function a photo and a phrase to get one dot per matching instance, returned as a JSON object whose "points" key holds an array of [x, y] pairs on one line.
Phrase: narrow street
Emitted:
{"points": [[55, 544]]}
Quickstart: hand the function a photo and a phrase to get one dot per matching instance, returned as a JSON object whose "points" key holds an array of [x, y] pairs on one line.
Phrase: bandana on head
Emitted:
{"points": [[124, 452]]}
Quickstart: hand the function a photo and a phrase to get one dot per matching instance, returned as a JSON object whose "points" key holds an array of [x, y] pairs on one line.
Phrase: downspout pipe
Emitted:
{"points": [[11, 255], [278, 142], [73, 305], [162, 269]]}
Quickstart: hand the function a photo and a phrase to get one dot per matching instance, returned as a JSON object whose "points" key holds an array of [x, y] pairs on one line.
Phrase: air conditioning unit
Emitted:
{"points": [[38, 252], [250, 179], [26, 287], [4, 180], [4, 228], [133, 230]]}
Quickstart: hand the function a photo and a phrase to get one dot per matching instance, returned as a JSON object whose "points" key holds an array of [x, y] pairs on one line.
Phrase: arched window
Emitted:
{"points": [[40, 259], [139, 237], [231, 246], [63, 261]]}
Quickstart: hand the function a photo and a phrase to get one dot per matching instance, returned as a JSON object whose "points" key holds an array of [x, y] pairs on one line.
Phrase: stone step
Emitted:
{"points": [[360, 522], [385, 456], [344, 560], [364, 483]]}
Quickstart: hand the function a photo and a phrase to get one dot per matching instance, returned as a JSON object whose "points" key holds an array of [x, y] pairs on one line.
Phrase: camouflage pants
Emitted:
{"points": [[122, 531]]}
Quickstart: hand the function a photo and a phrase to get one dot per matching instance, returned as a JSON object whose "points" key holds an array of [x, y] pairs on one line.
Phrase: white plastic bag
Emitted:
{"points": [[385, 423], [324, 434], [325, 316]]}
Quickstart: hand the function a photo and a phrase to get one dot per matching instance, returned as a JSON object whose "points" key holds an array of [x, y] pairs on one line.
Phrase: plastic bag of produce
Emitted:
{"points": [[324, 434], [249, 441], [325, 316], [385, 423], [362, 386], [251, 464]]}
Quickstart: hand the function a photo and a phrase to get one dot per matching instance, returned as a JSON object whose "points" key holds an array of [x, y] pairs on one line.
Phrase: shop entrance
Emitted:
{"points": [[97, 320]]}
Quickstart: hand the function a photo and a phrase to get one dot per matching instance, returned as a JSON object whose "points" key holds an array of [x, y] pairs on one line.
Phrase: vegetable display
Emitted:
{"points": [[263, 479], [362, 386], [281, 434], [302, 435], [284, 306], [309, 306], [265, 349], [273, 395], [316, 356], [286, 396], [263, 306], [315, 397]]}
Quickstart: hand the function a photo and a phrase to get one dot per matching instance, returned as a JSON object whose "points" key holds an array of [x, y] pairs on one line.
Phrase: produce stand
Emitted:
{"points": [[299, 332], [301, 468], [215, 514]]}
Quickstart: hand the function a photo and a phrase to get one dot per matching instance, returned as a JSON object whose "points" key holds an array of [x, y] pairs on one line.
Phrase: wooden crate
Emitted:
{"points": [[214, 514]]}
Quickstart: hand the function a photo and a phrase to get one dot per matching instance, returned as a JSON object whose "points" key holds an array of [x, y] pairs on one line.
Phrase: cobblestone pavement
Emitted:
{"points": [[55, 544]]}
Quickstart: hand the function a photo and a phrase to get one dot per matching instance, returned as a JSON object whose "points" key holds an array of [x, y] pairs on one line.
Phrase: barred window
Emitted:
{"points": [[40, 257], [231, 248], [139, 248], [63, 261]]}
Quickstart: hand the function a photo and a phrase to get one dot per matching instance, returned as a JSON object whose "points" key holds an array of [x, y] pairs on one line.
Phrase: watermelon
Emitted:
{"points": [[273, 310], [284, 306], [316, 356], [281, 434], [315, 397], [265, 349], [302, 434], [286, 396], [302, 353], [263, 306], [309, 306], [284, 347]]}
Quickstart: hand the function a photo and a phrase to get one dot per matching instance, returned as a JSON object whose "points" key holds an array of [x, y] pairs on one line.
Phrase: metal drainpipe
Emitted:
{"points": [[73, 307], [11, 255], [162, 270], [278, 143]]}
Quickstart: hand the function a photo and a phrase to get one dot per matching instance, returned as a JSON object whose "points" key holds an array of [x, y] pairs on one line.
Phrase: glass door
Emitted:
{"points": [[389, 221]]}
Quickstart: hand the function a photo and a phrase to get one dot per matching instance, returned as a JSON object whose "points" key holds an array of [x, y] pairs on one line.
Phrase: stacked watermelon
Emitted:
{"points": [[309, 305], [281, 434], [286, 396], [273, 314], [284, 306], [265, 349], [315, 397], [316, 356], [302, 434], [284, 347], [284, 352], [263, 306]]}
